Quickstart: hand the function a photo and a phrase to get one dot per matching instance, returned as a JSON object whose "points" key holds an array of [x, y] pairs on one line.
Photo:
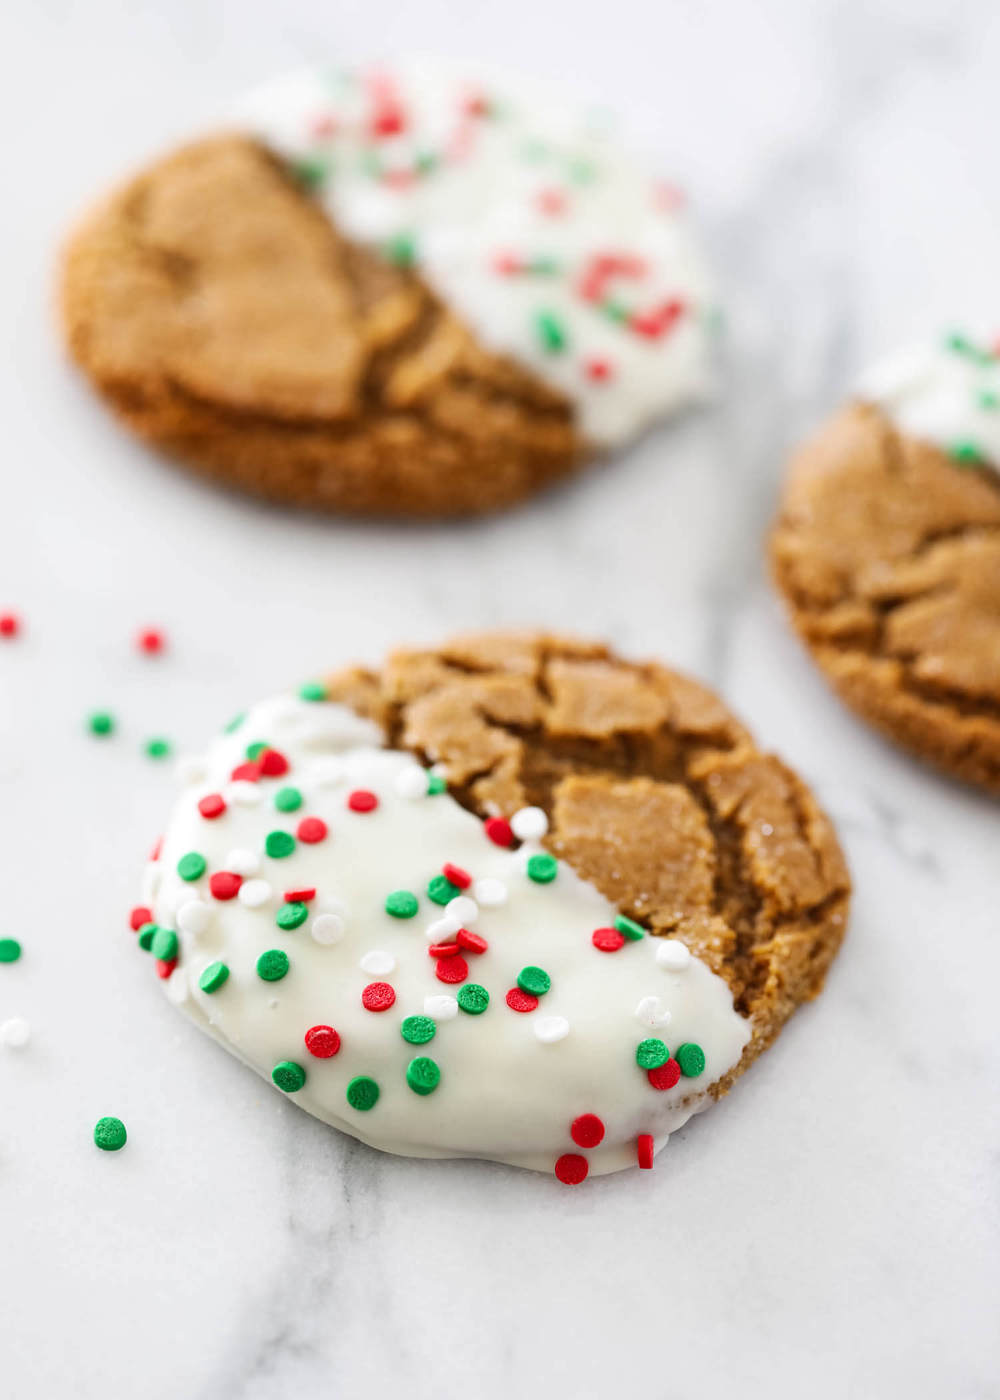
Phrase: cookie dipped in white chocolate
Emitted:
{"points": [[528, 219], [413, 975]]}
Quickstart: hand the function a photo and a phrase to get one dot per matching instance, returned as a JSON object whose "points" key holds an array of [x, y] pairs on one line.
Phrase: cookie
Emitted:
{"points": [[887, 552], [399, 294], [515, 899]]}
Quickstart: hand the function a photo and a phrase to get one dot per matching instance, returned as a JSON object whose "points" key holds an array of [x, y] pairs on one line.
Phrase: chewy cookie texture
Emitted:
{"points": [[887, 552], [655, 794]]}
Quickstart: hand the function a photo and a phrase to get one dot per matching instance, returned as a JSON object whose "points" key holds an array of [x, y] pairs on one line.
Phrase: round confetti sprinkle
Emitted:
{"points": [[441, 1006], [151, 641], [377, 963], [629, 929], [225, 884], [194, 917], [691, 1059], [550, 1029], [243, 787], [164, 944], [138, 916], [529, 824], [418, 1030], [362, 1093], [10, 624], [401, 904], [300, 895], [214, 976], [288, 799], [518, 1000], [327, 929], [164, 967], [463, 909], [272, 965], [288, 1076], [571, 1168], [146, 935], [673, 955], [255, 893], [451, 969], [456, 875], [441, 929], [411, 783], [651, 1054], [587, 1130], [441, 890], [542, 868], [608, 940], [242, 861], [101, 723], [423, 1075], [272, 763], [312, 690], [279, 844], [110, 1134], [436, 784], [361, 800], [322, 1041], [212, 806], [292, 915], [378, 996], [15, 1033], [192, 866], [534, 980], [664, 1076], [644, 1151], [157, 748], [471, 942], [444, 950], [490, 893], [473, 998], [311, 830], [499, 830]]}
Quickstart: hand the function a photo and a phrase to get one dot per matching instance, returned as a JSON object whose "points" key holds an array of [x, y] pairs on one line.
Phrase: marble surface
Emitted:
{"points": [[831, 1227]]}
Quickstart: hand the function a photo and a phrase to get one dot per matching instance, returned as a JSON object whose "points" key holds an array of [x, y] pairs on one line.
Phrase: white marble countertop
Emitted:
{"points": [[831, 1227]]}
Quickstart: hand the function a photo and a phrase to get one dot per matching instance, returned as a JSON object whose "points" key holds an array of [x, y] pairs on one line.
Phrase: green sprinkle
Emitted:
{"points": [[254, 750], [542, 868], [164, 945], [423, 1075], [616, 311], [279, 844], [288, 1076], [400, 250], [234, 723], [10, 949], [310, 171], [290, 916], [214, 976], [101, 723], [989, 400], [543, 267], [435, 784], [441, 890], [632, 931], [312, 690], [550, 331], [147, 932], [966, 454], [362, 1093], [157, 748], [272, 965], [401, 904], [418, 1030], [110, 1134], [651, 1054], [582, 172], [288, 799], [958, 343], [691, 1059], [473, 998], [534, 980], [192, 866], [425, 162]]}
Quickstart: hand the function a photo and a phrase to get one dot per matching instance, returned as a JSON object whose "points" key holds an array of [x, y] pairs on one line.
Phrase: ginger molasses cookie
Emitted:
{"points": [[515, 898], [395, 291], [887, 550]]}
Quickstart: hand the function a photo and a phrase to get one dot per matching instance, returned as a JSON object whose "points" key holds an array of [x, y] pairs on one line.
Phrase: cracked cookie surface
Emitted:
{"points": [[888, 556], [655, 794]]}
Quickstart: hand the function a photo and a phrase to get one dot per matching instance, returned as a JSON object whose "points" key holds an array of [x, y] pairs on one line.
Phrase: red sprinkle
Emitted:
{"points": [[666, 1076], [361, 800], [443, 950], [164, 969], [299, 896], [10, 624], [475, 105], [151, 640], [507, 264], [140, 915], [212, 806], [311, 829], [597, 370], [322, 1041], [388, 121], [453, 968], [521, 1001], [471, 942], [653, 324], [498, 830], [273, 763], [587, 1130], [378, 996], [248, 772], [644, 1150], [608, 940], [157, 848], [571, 1168], [456, 875], [225, 884], [552, 202]]}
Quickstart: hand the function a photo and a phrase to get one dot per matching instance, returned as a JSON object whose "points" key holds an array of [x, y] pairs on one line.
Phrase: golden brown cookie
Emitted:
{"points": [[887, 552]]}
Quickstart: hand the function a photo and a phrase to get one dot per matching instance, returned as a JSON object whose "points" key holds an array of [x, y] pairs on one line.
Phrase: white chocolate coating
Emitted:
{"points": [[511, 1082], [470, 175]]}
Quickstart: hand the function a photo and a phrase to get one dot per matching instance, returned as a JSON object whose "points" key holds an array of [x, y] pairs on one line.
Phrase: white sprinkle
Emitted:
{"points": [[441, 1007], [442, 928], [652, 1012], [411, 783], [254, 893], [244, 794], [16, 1032], [673, 955], [243, 862], [378, 962], [328, 772], [327, 928], [529, 824], [189, 768], [490, 892], [462, 908], [177, 987], [549, 1029], [194, 916]]}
